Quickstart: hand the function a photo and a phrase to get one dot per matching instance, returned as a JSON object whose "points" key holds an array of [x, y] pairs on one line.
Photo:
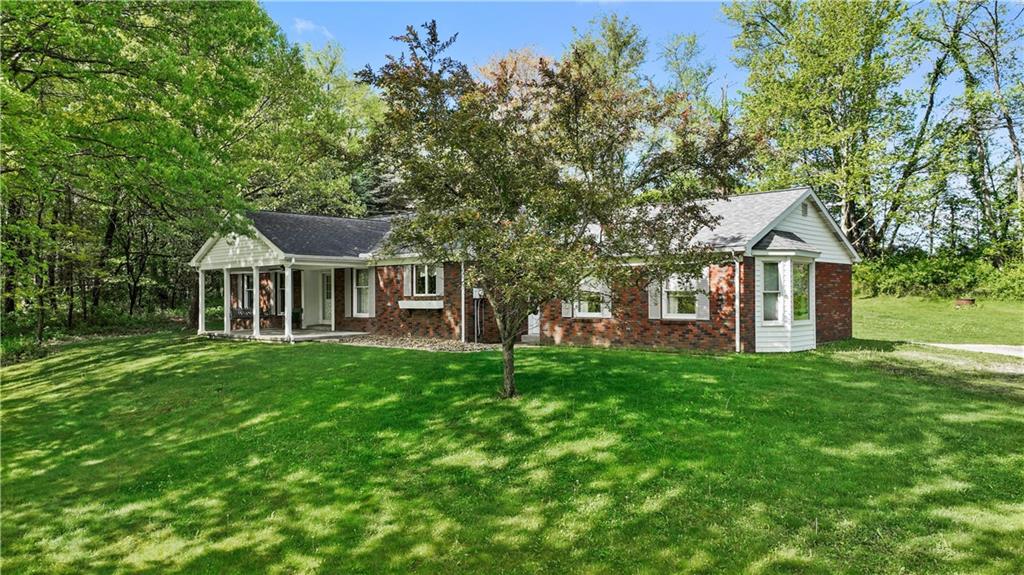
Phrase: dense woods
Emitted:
{"points": [[132, 131]]}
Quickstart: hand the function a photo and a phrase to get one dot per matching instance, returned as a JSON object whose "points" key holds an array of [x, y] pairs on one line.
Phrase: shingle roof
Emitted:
{"points": [[783, 241], [308, 235], [743, 217]]}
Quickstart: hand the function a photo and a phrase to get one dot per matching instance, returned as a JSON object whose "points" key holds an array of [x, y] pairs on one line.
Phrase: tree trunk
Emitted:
{"points": [[508, 356]]}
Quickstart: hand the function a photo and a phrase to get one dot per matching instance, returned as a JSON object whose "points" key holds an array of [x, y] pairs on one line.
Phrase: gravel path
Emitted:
{"points": [[1010, 350], [418, 343]]}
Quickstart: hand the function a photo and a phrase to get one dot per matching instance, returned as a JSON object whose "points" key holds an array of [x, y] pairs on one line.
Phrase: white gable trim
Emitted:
{"points": [[212, 241], [749, 248]]}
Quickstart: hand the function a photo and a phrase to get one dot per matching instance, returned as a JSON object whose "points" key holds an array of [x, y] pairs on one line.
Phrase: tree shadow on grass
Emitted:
{"points": [[166, 454]]}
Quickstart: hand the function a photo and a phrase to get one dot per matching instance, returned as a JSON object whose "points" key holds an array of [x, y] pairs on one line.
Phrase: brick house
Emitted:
{"points": [[783, 283]]}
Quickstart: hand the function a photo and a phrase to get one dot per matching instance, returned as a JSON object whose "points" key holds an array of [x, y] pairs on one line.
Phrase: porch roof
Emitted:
{"points": [[320, 236]]}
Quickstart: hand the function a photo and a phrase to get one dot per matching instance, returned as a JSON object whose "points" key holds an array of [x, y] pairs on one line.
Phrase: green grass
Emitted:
{"points": [[938, 321], [164, 453]]}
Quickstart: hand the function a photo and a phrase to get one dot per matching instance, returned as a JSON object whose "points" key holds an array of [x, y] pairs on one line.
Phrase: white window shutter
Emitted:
{"points": [[703, 297], [373, 291], [606, 303], [407, 281], [440, 280], [347, 304], [566, 308], [654, 301]]}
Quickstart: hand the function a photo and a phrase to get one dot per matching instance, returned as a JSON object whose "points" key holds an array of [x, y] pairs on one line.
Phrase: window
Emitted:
{"points": [[592, 300], [803, 209], [361, 293], [680, 299], [589, 304], [801, 291], [770, 293], [426, 280], [325, 287], [245, 291]]}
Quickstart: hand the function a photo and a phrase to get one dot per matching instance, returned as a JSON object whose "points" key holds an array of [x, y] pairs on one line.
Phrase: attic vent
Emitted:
{"points": [[803, 209]]}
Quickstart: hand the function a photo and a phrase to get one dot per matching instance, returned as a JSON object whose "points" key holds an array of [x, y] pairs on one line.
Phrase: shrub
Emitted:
{"points": [[940, 275], [16, 349]]}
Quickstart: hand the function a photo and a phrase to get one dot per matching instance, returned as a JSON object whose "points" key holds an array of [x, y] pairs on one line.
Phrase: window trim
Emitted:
{"points": [[355, 292], [577, 312], [431, 270], [781, 299], [666, 315]]}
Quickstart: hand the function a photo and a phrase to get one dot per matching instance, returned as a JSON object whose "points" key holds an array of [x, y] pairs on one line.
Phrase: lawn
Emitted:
{"points": [[165, 453], [938, 321]]}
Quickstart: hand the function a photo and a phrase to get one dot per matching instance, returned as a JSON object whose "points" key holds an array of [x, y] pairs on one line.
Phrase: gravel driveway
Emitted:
{"points": [[1010, 350]]}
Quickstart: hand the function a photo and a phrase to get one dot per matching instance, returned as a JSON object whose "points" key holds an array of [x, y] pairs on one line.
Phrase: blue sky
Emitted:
{"points": [[363, 30]]}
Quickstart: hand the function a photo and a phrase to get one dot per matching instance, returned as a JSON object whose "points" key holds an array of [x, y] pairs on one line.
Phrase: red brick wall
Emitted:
{"points": [[748, 318], [390, 319], [630, 324], [833, 301]]}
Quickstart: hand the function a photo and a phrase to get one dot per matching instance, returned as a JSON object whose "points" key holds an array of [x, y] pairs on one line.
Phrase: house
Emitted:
{"points": [[783, 284]]}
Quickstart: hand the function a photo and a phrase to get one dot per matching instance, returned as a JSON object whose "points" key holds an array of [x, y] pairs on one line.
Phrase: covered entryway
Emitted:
{"points": [[277, 285]]}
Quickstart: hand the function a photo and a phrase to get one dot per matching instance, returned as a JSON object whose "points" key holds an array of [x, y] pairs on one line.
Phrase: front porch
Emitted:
{"points": [[279, 335]]}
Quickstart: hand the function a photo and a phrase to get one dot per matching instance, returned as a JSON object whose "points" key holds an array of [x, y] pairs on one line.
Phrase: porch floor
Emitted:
{"points": [[273, 334]]}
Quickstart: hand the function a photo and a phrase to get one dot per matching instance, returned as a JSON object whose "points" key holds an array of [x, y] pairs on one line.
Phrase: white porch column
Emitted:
{"points": [[288, 302], [202, 301], [255, 301], [227, 300]]}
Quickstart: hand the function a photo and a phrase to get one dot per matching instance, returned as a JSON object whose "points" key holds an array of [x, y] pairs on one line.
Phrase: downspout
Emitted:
{"points": [[462, 312], [736, 295]]}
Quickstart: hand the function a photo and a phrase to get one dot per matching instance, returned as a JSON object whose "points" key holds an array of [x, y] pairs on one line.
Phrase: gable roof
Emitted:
{"points": [[320, 236], [741, 218], [747, 219]]}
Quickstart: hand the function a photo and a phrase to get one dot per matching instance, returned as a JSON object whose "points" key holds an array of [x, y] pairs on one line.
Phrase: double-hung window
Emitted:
{"points": [[593, 301], [801, 291], [680, 299], [361, 293], [770, 294], [426, 280]]}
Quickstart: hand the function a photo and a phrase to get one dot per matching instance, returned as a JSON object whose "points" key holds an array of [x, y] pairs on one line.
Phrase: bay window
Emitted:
{"points": [[801, 291]]}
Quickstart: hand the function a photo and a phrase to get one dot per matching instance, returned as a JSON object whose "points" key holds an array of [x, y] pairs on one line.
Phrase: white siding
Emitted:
{"points": [[239, 251], [814, 230], [786, 335]]}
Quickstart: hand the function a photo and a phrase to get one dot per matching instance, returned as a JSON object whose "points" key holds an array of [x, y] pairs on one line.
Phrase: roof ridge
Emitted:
{"points": [[308, 215], [778, 191]]}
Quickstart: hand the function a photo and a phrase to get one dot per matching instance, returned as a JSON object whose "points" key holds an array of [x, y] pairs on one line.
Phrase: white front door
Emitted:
{"points": [[326, 293]]}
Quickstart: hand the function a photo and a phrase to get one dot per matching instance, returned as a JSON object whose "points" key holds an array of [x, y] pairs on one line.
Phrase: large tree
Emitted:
{"points": [[827, 85], [541, 175]]}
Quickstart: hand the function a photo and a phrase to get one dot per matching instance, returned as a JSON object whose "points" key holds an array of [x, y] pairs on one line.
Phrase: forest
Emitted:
{"points": [[131, 132]]}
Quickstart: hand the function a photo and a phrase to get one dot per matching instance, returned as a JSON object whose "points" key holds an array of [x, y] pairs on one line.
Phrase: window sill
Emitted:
{"points": [[681, 318], [420, 304]]}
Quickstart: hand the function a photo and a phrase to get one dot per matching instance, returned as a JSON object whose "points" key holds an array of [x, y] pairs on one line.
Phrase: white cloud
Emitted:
{"points": [[302, 26]]}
